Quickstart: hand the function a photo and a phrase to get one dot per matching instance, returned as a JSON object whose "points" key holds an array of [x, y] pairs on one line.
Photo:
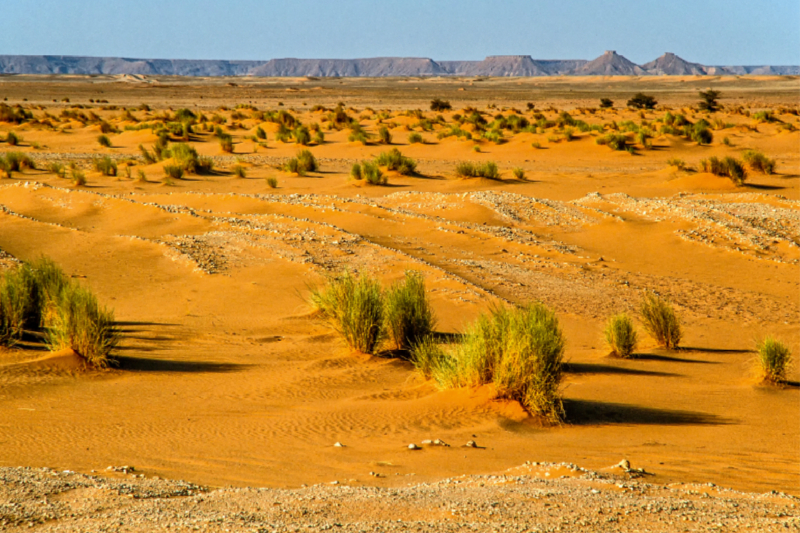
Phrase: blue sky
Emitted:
{"points": [[711, 32]]}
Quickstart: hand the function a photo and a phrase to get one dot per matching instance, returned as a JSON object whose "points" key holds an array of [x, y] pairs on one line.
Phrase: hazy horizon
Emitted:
{"points": [[715, 32]]}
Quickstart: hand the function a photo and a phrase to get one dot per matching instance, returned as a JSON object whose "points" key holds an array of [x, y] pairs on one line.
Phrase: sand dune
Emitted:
{"points": [[225, 376]]}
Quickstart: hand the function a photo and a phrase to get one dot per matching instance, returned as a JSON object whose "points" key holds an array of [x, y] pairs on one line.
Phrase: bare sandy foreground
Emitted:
{"points": [[226, 379]]}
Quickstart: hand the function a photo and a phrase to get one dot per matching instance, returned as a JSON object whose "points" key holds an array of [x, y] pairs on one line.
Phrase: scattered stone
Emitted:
{"points": [[338, 445], [413, 446], [471, 444]]}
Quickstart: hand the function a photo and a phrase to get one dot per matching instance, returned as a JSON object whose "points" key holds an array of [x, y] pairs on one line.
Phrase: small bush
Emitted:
{"points": [[307, 161], [141, 177], [272, 183], [78, 178], [384, 135], [519, 173], [409, 315], [79, 322], [701, 134], [428, 357], [606, 103], [368, 171], [660, 320], [261, 134], [709, 100], [13, 139], [58, 169], [354, 307], [437, 104], [302, 136], [104, 141], [758, 162], [680, 164], [727, 167], [396, 161], [105, 166], [467, 169], [239, 171], [319, 137], [226, 143], [774, 360], [415, 138], [642, 101], [293, 166], [764, 116], [173, 172], [615, 141], [620, 335]]}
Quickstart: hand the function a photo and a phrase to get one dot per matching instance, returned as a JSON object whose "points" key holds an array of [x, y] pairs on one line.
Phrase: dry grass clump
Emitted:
{"points": [[303, 162], [774, 360], [468, 169], [105, 166], [239, 171], [620, 335], [415, 138], [272, 182], [727, 167], [758, 162], [369, 172], [396, 161], [384, 135], [172, 172], [39, 295], [104, 141], [520, 351], [13, 139], [660, 320], [355, 309], [409, 315], [16, 162], [615, 141]]}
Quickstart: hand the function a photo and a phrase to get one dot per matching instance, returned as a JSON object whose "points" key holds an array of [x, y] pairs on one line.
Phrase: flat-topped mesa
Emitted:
{"points": [[671, 65]]}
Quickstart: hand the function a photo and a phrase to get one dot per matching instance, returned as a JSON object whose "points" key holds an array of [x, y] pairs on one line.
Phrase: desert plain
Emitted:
{"points": [[225, 377]]}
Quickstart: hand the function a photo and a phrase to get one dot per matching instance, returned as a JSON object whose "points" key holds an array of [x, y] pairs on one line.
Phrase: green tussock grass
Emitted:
{"points": [[394, 160], [774, 360], [468, 169], [660, 320], [727, 167], [369, 172], [104, 141], [620, 335], [409, 315], [519, 351], [758, 162], [106, 166], [354, 307]]}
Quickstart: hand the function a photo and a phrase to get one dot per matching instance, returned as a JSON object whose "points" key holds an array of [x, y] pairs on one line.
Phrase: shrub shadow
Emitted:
{"points": [[667, 359], [590, 368], [143, 364], [587, 412]]}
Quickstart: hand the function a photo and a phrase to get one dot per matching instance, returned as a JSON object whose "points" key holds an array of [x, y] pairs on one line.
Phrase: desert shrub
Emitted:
{"points": [[173, 172], [437, 104], [536, 144], [680, 164], [104, 141], [239, 171], [642, 101], [226, 143], [354, 307], [358, 136], [272, 182], [105, 127], [319, 137], [620, 335], [293, 166], [415, 138], [307, 161], [105, 166], [660, 321], [774, 359], [79, 322], [58, 169], [606, 103], [78, 178], [764, 116], [148, 157], [709, 100], [396, 161], [495, 136], [701, 134], [15, 115], [427, 357], [520, 351], [726, 141], [727, 167], [302, 136], [185, 157], [369, 171], [384, 135], [758, 162], [615, 141], [518, 173], [19, 306], [409, 315], [13, 139], [468, 169], [261, 134]]}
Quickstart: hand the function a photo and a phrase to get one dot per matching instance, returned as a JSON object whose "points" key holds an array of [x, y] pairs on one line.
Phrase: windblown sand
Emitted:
{"points": [[226, 378]]}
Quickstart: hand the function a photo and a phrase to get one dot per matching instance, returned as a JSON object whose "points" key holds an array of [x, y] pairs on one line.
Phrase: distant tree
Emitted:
{"points": [[606, 103], [708, 100], [642, 101], [531, 106], [437, 104]]}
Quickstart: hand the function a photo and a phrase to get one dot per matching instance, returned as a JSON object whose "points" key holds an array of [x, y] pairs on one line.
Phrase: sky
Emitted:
{"points": [[711, 32]]}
